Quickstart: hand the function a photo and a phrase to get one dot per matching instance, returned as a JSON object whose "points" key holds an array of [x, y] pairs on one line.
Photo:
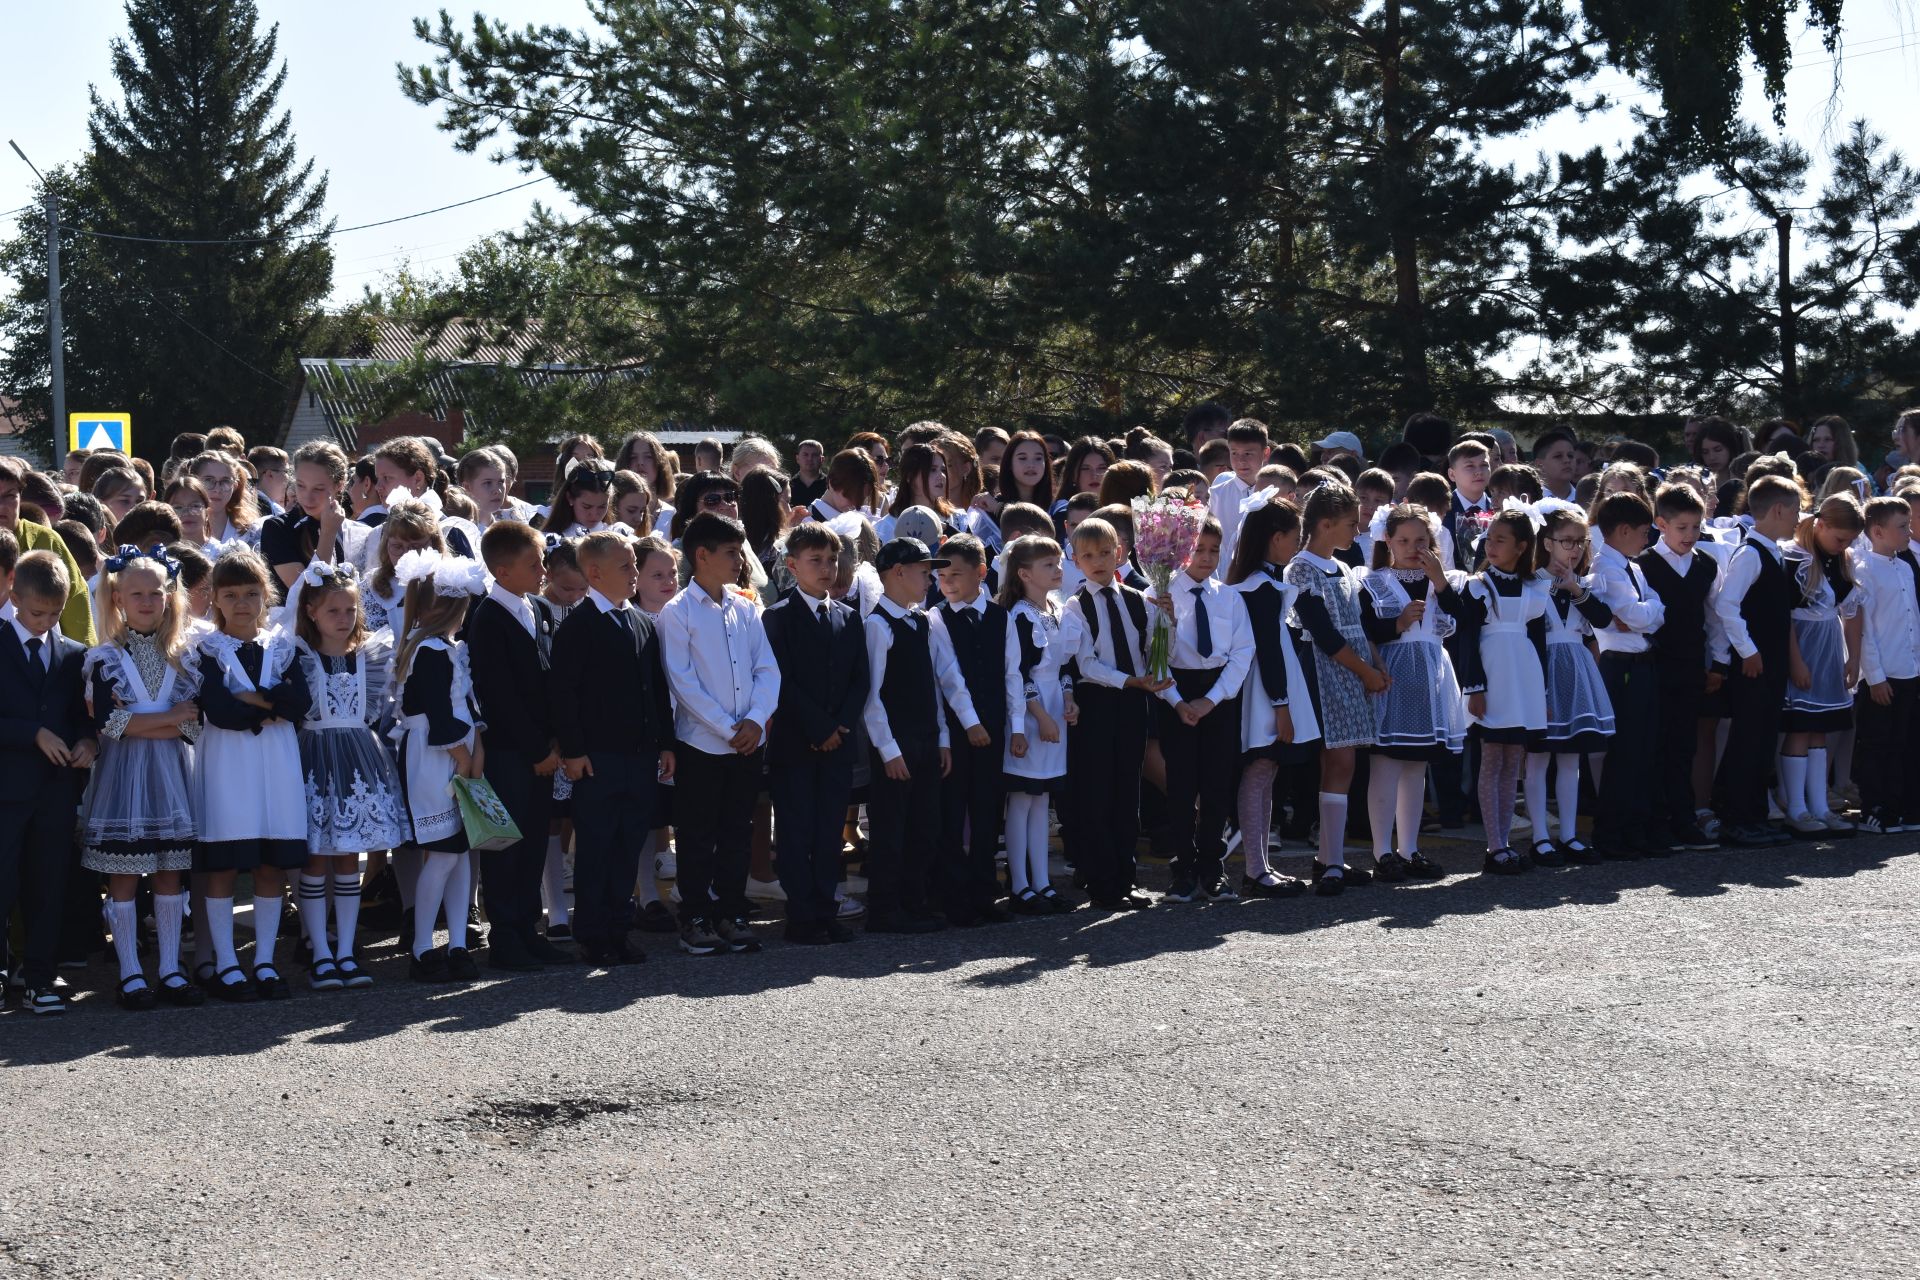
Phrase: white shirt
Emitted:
{"points": [[947, 676], [1736, 579], [1223, 500], [23, 635], [1071, 579], [719, 666], [1623, 588], [601, 603], [1228, 628], [1890, 636], [1095, 652], [516, 605]]}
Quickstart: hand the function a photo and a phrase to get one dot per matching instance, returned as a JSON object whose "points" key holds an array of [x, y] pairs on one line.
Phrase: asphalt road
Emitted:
{"points": [[1704, 1066]]}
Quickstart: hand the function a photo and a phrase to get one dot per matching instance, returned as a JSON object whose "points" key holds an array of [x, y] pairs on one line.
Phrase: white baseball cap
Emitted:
{"points": [[1342, 440]]}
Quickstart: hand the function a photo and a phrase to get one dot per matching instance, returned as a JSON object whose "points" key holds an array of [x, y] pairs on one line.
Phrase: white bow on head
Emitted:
{"points": [[1531, 511], [1257, 499], [451, 575], [427, 498], [1377, 527]]}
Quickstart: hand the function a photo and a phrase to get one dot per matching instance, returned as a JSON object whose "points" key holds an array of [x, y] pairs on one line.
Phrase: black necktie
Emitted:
{"points": [[626, 623], [33, 658], [1122, 651], [1202, 624], [822, 615]]}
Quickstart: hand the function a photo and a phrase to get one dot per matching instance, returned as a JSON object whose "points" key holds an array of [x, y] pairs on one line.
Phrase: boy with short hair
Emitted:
{"points": [[1119, 518], [510, 677], [909, 669], [1215, 458], [1248, 444], [1889, 671], [821, 651], [46, 740], [1622, 826], [1754, 603], [1469, 467], [1199, 718], [973, 795], [1683, 576], [725, 685], [1105, 625], [614, 723]]}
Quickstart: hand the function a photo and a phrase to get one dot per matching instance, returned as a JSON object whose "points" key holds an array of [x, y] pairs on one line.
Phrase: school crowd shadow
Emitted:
{"points": [[985, 957]]}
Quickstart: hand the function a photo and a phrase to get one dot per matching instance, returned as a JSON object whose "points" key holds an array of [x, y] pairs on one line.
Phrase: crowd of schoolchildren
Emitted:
{"points": [[916, 657]]}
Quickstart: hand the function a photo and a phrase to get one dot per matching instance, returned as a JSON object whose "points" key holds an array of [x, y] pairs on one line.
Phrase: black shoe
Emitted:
{"points": [[1134, 900], [42, 1001], [270, 984], [655, 918], [837, 932], [538, 948], [991, 913], [1693, 839], [1271, 884], [1421, 867], [1218, 889], [1028, 903], [1329, 882], [136, 999], [1581, 853], [1057, 902], [428, 966], [807, 935], [1184, 888], [352, 974], [237, 992], [559, 933], [737, 933], [1503, 862], [1547, 854], [1751, 836], [460, 965], [1620, 851], [1657, 845], [510, 956], [624, 952], [1391, 869], [182, 994]]}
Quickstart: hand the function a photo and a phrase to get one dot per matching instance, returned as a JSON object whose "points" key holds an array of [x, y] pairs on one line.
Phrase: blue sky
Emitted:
{"points": [[385, 157]]}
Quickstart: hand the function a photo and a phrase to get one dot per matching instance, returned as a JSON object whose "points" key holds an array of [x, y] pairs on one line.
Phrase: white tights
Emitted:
{"points": [[1395, 792], [445, 879], [1566, 784], [1027, 842]]}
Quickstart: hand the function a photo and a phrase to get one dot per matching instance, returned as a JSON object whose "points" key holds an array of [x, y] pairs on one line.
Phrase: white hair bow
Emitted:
{"points": [[1531, 511], [426, 498], [1377, 527], [1255, 501], [1547, 506], [319, 573], [451, 575]]}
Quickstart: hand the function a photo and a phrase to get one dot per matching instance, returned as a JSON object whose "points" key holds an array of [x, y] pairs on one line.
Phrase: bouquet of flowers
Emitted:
{"points": [[1164, 533]]}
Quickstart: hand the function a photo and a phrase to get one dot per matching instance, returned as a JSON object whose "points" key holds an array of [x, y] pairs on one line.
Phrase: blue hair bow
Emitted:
{"points": [[125, 557]]}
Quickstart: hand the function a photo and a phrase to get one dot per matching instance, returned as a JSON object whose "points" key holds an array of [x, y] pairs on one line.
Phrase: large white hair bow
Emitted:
{"points": [[1258, 499], [451, 575], [1377, 527], [1531, 511], [426, 498]]}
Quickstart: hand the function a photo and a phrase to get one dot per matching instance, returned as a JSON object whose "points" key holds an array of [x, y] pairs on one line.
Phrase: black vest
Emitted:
{"points": [[1768, 610], [1681, 641], [980, 646], [909, 689]]}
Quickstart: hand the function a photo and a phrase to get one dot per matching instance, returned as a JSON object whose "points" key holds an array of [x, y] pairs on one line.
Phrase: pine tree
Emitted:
{"points": [[194, 274]]}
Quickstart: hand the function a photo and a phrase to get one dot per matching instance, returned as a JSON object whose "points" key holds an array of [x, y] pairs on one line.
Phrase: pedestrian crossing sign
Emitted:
{"points": [[100, 431]]}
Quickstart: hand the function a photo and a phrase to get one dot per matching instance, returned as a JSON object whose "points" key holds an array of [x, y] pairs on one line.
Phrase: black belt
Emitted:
{"points": [[1618, 655]]}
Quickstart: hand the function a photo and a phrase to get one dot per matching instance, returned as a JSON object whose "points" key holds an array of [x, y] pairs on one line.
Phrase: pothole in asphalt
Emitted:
{"points": [[530, 1118]]}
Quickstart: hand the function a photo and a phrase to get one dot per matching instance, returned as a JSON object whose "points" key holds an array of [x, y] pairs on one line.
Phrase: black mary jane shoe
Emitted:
{"points": [[1579, 853], [460, 965], [272, 986], [137, 999], [1547, 854], [181, 994], [1057, 902], [352, 974], [241, 992], [1391, 869], [326, 976], [1421, 867], [1503, 862], [1329, 882], [429, 966]]}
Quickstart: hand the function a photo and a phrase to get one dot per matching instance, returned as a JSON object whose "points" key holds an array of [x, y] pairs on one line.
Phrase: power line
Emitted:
{"points": [[234, 356], [319, 235]]}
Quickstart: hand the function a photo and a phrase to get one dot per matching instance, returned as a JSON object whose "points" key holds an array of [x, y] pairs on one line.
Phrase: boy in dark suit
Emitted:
{"points": [[822, 654], [973, 796], [1105, 628], [1683, 576], [614, 724], [1753, 645], [45, 741], [510, 682]]}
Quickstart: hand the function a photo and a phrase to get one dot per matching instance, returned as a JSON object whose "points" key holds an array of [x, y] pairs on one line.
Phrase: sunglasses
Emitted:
{"points": [[720, 497]]}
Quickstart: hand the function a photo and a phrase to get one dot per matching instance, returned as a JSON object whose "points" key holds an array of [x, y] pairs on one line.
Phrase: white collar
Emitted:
{"points": [[513, 604], [894, 610], [1483, 503], [1759, 539], [813, 602], [1319, 561], [1230, 477], [1208, 585], [377, 509], [1672, 557], [701, 595], [24, 635], [978, 604], [601, 603]]}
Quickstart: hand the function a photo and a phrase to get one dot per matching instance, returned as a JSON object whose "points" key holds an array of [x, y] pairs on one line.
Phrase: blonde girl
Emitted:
{"points": [[1823, 663], [411, 525], [1040, 711], [1579, 713], [138, 817]]}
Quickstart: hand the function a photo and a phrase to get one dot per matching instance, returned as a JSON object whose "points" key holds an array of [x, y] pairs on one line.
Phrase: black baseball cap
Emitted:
{"points": [[901, 551]]}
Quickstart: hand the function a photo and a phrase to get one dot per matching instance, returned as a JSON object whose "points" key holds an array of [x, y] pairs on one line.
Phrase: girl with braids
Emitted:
{"points": [[1040, 710]]}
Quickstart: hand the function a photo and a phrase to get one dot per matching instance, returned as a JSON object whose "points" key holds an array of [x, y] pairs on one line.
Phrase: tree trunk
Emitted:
{"points": [[1409, 312], [1790, 397]]}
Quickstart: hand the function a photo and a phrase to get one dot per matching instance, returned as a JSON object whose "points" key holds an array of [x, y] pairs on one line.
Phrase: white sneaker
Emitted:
{"points": [[1806, 824], [1834, 822], [850, 908], [666, 866], [765, 890]]}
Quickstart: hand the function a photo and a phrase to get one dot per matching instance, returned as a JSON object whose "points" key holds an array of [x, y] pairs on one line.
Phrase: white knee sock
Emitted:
{"points": [[202, 936], [1536, 787], [554, 882], [1411, 806], [1017, 805], [647, 888], [168, 910], [1383, 791], [406, 873], [1817, 783], [459, 885], [1333, 829], [266, 927], [1038, 875], [123, 918], [346, 910], [313, 914], [1793, 785], [1567, 782], [435, 870], [218, 926]]}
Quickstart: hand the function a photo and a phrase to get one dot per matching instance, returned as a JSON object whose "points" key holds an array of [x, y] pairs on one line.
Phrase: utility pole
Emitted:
{"points": [[56, 339]]}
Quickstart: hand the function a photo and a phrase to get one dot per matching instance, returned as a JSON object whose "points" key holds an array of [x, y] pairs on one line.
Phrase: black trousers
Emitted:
{"points": [[1203, 767], [1883, 741], [1753, 711], [903, 828], [810, 795], [1626, 784], [973, 801], [714, 797], [510, 877], [1682, 691], [612, 813], [1104, 754], [36, 856]]}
